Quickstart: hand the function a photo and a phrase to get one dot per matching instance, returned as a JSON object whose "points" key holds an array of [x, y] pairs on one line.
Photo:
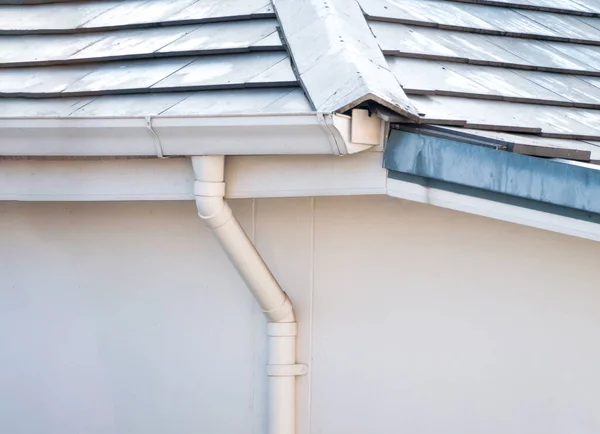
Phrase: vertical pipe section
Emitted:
{"points": [[281, 371], [209, 189]]}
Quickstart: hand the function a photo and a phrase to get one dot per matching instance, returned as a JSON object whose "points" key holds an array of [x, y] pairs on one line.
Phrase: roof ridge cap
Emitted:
{"points": [[336, 57]]}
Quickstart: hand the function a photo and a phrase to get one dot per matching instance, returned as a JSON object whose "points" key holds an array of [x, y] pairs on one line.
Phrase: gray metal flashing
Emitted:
{"points": [[336, 57], [496, 171], [536, 145]]}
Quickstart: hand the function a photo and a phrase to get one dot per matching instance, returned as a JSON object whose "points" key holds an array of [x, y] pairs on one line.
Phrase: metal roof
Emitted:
{"points": [[144, 57], [498, 66], [192, 57]]}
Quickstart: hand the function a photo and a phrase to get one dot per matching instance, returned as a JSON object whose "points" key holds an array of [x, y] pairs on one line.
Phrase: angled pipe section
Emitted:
{"points": [[209, 189]]}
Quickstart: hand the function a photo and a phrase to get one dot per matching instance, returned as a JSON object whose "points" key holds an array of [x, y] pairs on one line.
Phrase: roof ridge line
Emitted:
{"points": [[336, 57]]}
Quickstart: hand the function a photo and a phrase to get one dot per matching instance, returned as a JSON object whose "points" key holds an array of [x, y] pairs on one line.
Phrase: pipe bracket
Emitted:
{"points": [[287, 370]]}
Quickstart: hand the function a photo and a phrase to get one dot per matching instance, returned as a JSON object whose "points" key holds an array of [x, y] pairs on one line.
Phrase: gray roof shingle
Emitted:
{"points": [[148, 57], [520, 66], [496, 66]]}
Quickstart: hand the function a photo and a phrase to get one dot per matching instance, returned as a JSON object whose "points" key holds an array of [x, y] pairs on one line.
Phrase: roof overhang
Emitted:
{"points": [[285, 134], [484, 180]]}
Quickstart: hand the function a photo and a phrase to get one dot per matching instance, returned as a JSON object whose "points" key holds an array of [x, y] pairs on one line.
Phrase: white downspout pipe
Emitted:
{"points": [[209, 189]]}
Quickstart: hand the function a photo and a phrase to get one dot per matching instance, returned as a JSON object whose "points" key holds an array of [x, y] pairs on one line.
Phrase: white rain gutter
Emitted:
{"points": [[162, 136], [282, 369]]}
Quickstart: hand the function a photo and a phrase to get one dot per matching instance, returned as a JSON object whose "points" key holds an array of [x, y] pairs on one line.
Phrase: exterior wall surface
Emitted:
{"points": [[126, 318]]}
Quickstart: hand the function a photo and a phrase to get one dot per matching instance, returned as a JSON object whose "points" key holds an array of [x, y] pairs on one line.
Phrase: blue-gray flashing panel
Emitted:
{"points": [[497, 171]]}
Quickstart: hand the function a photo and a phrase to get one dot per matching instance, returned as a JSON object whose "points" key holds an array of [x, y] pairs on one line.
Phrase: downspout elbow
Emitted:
{"points": [[209, 190]]}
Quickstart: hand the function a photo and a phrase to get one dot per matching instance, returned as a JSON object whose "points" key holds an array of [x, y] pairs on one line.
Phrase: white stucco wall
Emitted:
{"points": [[127, 318]]}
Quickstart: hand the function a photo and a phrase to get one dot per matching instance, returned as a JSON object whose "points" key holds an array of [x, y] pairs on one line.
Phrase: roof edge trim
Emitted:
{"points": [[495, 171]]}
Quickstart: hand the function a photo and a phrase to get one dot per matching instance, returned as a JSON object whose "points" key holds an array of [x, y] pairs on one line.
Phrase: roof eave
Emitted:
{"points": [[282, 134]]}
